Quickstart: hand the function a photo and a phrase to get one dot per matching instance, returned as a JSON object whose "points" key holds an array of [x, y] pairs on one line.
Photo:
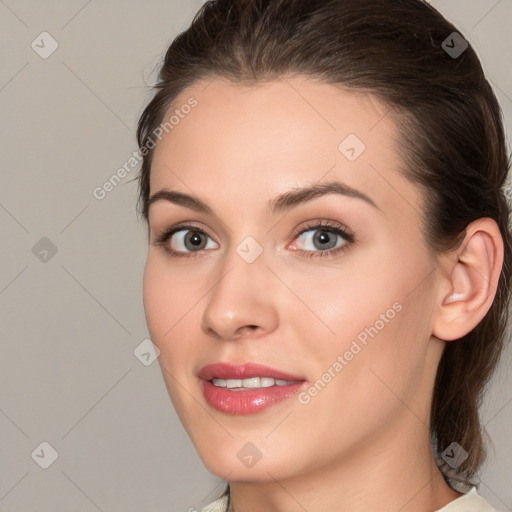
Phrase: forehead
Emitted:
{"points": [[263, 139]]}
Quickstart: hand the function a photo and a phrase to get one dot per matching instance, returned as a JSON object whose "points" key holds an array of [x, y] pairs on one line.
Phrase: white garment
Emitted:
{"points": [[221, 505], [469, 502]]}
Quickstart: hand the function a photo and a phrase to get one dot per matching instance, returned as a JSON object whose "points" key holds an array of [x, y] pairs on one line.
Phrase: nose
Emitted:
{"points": [[241, 303]]}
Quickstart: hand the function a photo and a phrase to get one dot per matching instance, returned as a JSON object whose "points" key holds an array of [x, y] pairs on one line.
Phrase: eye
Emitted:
{"points": [[179, 241], [323, 239]]}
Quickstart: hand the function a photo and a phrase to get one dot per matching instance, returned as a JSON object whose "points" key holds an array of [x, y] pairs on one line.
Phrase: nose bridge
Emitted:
{"points": [[240, 296]]}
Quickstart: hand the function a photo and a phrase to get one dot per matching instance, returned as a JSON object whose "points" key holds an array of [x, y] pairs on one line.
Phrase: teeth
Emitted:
{"points": [[252, 383], [255, 382]]}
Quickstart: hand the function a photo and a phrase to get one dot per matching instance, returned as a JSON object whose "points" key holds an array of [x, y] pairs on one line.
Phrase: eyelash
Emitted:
{"points": [[161, 240]]}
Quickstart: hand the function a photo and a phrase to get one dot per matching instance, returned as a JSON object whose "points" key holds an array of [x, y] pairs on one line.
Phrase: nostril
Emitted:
{"points": [[248, 328]]}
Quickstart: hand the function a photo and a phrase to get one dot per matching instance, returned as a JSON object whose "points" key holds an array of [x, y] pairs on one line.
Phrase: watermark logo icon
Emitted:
{"points": [[454, 45], [352, 147], [454, 455], [44, 250], [45, 455], [44, 45], [249, 455], [249, 249], [146, 352]]}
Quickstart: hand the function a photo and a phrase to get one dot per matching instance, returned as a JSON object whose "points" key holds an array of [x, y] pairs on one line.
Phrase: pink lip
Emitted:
{"points": [[243, 371], [248, 401]]}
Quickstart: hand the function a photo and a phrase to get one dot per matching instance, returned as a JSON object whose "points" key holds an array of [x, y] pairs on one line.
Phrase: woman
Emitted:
{"points": [[329, 263]]}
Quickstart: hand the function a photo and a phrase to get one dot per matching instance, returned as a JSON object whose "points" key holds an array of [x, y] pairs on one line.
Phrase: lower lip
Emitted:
{"points": [[247, 401]]}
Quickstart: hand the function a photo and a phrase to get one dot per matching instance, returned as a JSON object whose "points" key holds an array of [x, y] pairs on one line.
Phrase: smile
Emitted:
{"points": [[252, 383], [246, 389]]}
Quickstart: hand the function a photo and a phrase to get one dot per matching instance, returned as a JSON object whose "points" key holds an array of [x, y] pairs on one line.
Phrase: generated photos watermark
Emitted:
{"points": [[356, 346], [172, 121]]}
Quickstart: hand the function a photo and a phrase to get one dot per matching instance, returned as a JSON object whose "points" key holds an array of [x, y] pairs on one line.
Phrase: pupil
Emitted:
{"points": [[194, 238], [322, 237]]}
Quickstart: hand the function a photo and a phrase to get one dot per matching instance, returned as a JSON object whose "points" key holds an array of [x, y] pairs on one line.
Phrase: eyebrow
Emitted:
{"points": [[284, 202]]}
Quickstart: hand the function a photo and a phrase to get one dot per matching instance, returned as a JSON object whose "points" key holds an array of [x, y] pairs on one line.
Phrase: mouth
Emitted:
{"points": [[252, 383], [248, 388]]}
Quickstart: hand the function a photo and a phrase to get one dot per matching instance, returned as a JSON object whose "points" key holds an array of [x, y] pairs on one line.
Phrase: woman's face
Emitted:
{"points": [[293, 304]]}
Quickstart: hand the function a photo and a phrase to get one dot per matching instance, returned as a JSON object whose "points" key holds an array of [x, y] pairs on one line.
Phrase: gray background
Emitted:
{"points": [[70, 324]]}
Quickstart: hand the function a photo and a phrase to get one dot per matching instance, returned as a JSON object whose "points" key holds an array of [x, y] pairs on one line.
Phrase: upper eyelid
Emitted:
{"points": [[316, 224], [184, 225]]}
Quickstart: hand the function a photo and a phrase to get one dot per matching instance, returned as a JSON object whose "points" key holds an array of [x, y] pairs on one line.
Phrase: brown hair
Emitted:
{"points": [[449, 120]]}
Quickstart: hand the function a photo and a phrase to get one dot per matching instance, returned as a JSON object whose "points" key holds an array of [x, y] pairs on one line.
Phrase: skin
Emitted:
{"points": [[362, 443]]}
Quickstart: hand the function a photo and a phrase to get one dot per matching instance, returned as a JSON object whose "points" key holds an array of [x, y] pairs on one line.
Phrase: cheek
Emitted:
{"points": [[157, 301], [381, 302], [168, 313], [167, 297], [346, 299], [361, 380], [169, 309]]}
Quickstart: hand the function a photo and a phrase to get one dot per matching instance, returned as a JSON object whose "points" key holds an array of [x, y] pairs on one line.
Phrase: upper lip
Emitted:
{"points": [[243, 371]]}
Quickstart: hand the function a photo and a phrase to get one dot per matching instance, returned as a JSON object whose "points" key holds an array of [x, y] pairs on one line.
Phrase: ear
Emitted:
{"points": [[469, 280]]}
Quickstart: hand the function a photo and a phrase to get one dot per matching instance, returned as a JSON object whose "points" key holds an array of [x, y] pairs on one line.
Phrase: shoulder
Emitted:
{"points": [[471, 501], [220, 505]]}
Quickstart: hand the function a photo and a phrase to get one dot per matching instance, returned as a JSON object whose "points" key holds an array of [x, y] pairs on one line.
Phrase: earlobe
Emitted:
{"points": [[471, 279]]}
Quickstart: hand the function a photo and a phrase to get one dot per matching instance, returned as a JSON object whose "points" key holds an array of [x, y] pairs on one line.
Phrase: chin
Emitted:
{"points": [[240, 459], [235, 471]]}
